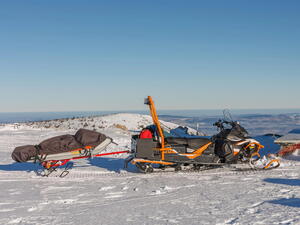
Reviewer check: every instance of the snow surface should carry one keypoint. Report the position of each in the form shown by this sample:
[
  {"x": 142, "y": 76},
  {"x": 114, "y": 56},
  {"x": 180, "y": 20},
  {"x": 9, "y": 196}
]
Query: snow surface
[
  {"x": 289, "y": 138},
  {"x": 100, "y": 191}
]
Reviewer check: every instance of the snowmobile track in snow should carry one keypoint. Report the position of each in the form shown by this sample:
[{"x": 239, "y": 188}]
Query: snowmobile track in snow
[
  {"x": 77, "y": 174},
  {"x": 211, "y": 172}
]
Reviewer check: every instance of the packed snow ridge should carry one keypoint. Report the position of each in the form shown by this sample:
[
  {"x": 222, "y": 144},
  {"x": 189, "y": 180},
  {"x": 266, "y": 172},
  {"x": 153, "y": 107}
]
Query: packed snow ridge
[{"x": 127, "y": 122}]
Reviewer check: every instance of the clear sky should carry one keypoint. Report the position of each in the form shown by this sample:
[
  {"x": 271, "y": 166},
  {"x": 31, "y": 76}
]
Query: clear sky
[{"x": 59, "y": 55}]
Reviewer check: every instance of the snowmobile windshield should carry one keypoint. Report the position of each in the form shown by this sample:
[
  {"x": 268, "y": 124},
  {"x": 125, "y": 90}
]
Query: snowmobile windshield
[
  {"x": 230, "y": 129},
  {"x": 237, "y": 132},
  {"x": 227, "y": 116}
]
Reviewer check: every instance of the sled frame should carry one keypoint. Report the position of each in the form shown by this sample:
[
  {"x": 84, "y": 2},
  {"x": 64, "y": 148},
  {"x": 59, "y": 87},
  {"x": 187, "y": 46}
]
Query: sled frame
[{"x": 50, "y": 166}]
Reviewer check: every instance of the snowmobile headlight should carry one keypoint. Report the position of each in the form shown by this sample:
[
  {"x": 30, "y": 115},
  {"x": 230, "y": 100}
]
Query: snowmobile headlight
[{"x": 252, "y": 146}]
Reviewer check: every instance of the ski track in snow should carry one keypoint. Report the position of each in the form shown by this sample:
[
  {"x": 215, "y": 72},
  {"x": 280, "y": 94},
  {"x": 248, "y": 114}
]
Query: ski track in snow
[{"x": 100, "y": 191}]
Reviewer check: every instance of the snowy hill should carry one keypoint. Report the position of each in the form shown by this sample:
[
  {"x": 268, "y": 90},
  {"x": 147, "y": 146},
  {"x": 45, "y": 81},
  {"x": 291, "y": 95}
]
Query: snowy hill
[
  {"x": 128, "y": 121},
  {"x": 124, "y": 121},
  {"x": 120, "y": 127},
  {"x": 100, "y": 191}
]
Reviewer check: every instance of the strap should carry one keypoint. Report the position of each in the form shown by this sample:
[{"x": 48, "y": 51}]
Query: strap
[
  {"x": 86, "y": 152},
  {"x": 38, "y": 156}
]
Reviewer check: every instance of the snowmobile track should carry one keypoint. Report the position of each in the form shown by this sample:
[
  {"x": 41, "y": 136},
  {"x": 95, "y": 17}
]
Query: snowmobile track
[
  {"x": 210, "y": 172},
  {"x": 90, "y": 174}
]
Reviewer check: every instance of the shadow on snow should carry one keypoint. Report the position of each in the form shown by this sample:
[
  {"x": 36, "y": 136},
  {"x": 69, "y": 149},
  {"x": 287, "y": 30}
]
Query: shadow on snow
[
  {"x": 292, "y": 202},
  {"x": 111, "y": 164},
  {"x": 28, "y": 167},
  {"x": 291, "y": 182}
]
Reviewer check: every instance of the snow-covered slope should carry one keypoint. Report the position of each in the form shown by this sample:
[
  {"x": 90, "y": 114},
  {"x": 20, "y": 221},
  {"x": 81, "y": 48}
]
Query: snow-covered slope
[
  {"x": 125, "y": 121},
  {"x": 100, "y": 191},
  {"x": 120, "y": 127}
]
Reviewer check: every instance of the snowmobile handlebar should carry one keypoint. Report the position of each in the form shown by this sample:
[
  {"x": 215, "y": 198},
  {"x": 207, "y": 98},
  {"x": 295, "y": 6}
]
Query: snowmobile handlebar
[{"x": 220, "y": 123}]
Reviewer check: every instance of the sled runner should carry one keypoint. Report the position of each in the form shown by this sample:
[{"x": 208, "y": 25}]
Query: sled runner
[
  {"x": 60, "y": 150},
  {"x": 230, "y": 146}
]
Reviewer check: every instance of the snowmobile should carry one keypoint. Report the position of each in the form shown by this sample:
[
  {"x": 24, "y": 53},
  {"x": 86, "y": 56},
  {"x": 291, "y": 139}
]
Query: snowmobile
[{"x": 231, "y": 145}]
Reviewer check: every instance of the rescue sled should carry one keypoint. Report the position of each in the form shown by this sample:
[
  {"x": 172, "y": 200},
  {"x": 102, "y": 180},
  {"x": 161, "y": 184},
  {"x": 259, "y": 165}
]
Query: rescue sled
[
  {"x": 230, "y": 146},
  {"x": 60, "y": 150}
]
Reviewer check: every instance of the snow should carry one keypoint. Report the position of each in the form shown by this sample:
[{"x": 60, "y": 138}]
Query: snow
[
  {"x": 100, "y": 191},
  {"x": 289, "y": 138},
  {"x": 126, "y": 121}
]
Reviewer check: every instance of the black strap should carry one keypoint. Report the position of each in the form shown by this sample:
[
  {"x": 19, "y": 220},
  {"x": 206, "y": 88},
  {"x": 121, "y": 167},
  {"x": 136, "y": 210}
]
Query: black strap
[
  {"x": 38, "y": 156},
  {"x": 86, "y": 152}
]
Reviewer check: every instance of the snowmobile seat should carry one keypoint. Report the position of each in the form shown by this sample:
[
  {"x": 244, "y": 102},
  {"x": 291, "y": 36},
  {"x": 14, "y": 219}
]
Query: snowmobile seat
[
  {"x": 192, "y": 143},
  {"x": 147, "y": 148},
  {"x": 180, "y": 148}
]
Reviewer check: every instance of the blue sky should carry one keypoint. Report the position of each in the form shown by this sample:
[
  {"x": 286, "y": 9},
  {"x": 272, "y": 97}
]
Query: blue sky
[{"x": 109, "y": 55}]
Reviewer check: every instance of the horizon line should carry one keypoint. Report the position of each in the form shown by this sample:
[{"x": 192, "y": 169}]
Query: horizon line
[{"x": 139, "y": 110}]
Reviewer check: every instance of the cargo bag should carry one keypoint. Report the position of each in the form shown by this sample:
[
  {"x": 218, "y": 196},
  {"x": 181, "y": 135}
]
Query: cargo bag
[{"x": 62, "y": 147}]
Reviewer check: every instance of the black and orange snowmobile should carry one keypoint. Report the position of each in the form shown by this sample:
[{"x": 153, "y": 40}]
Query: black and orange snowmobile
[{"x": 230, "y": 146}]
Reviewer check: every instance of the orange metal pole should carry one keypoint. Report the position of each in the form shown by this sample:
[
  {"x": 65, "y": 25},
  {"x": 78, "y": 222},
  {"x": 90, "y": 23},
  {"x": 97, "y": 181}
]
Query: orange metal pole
[{"x": 156, "y": 121}]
